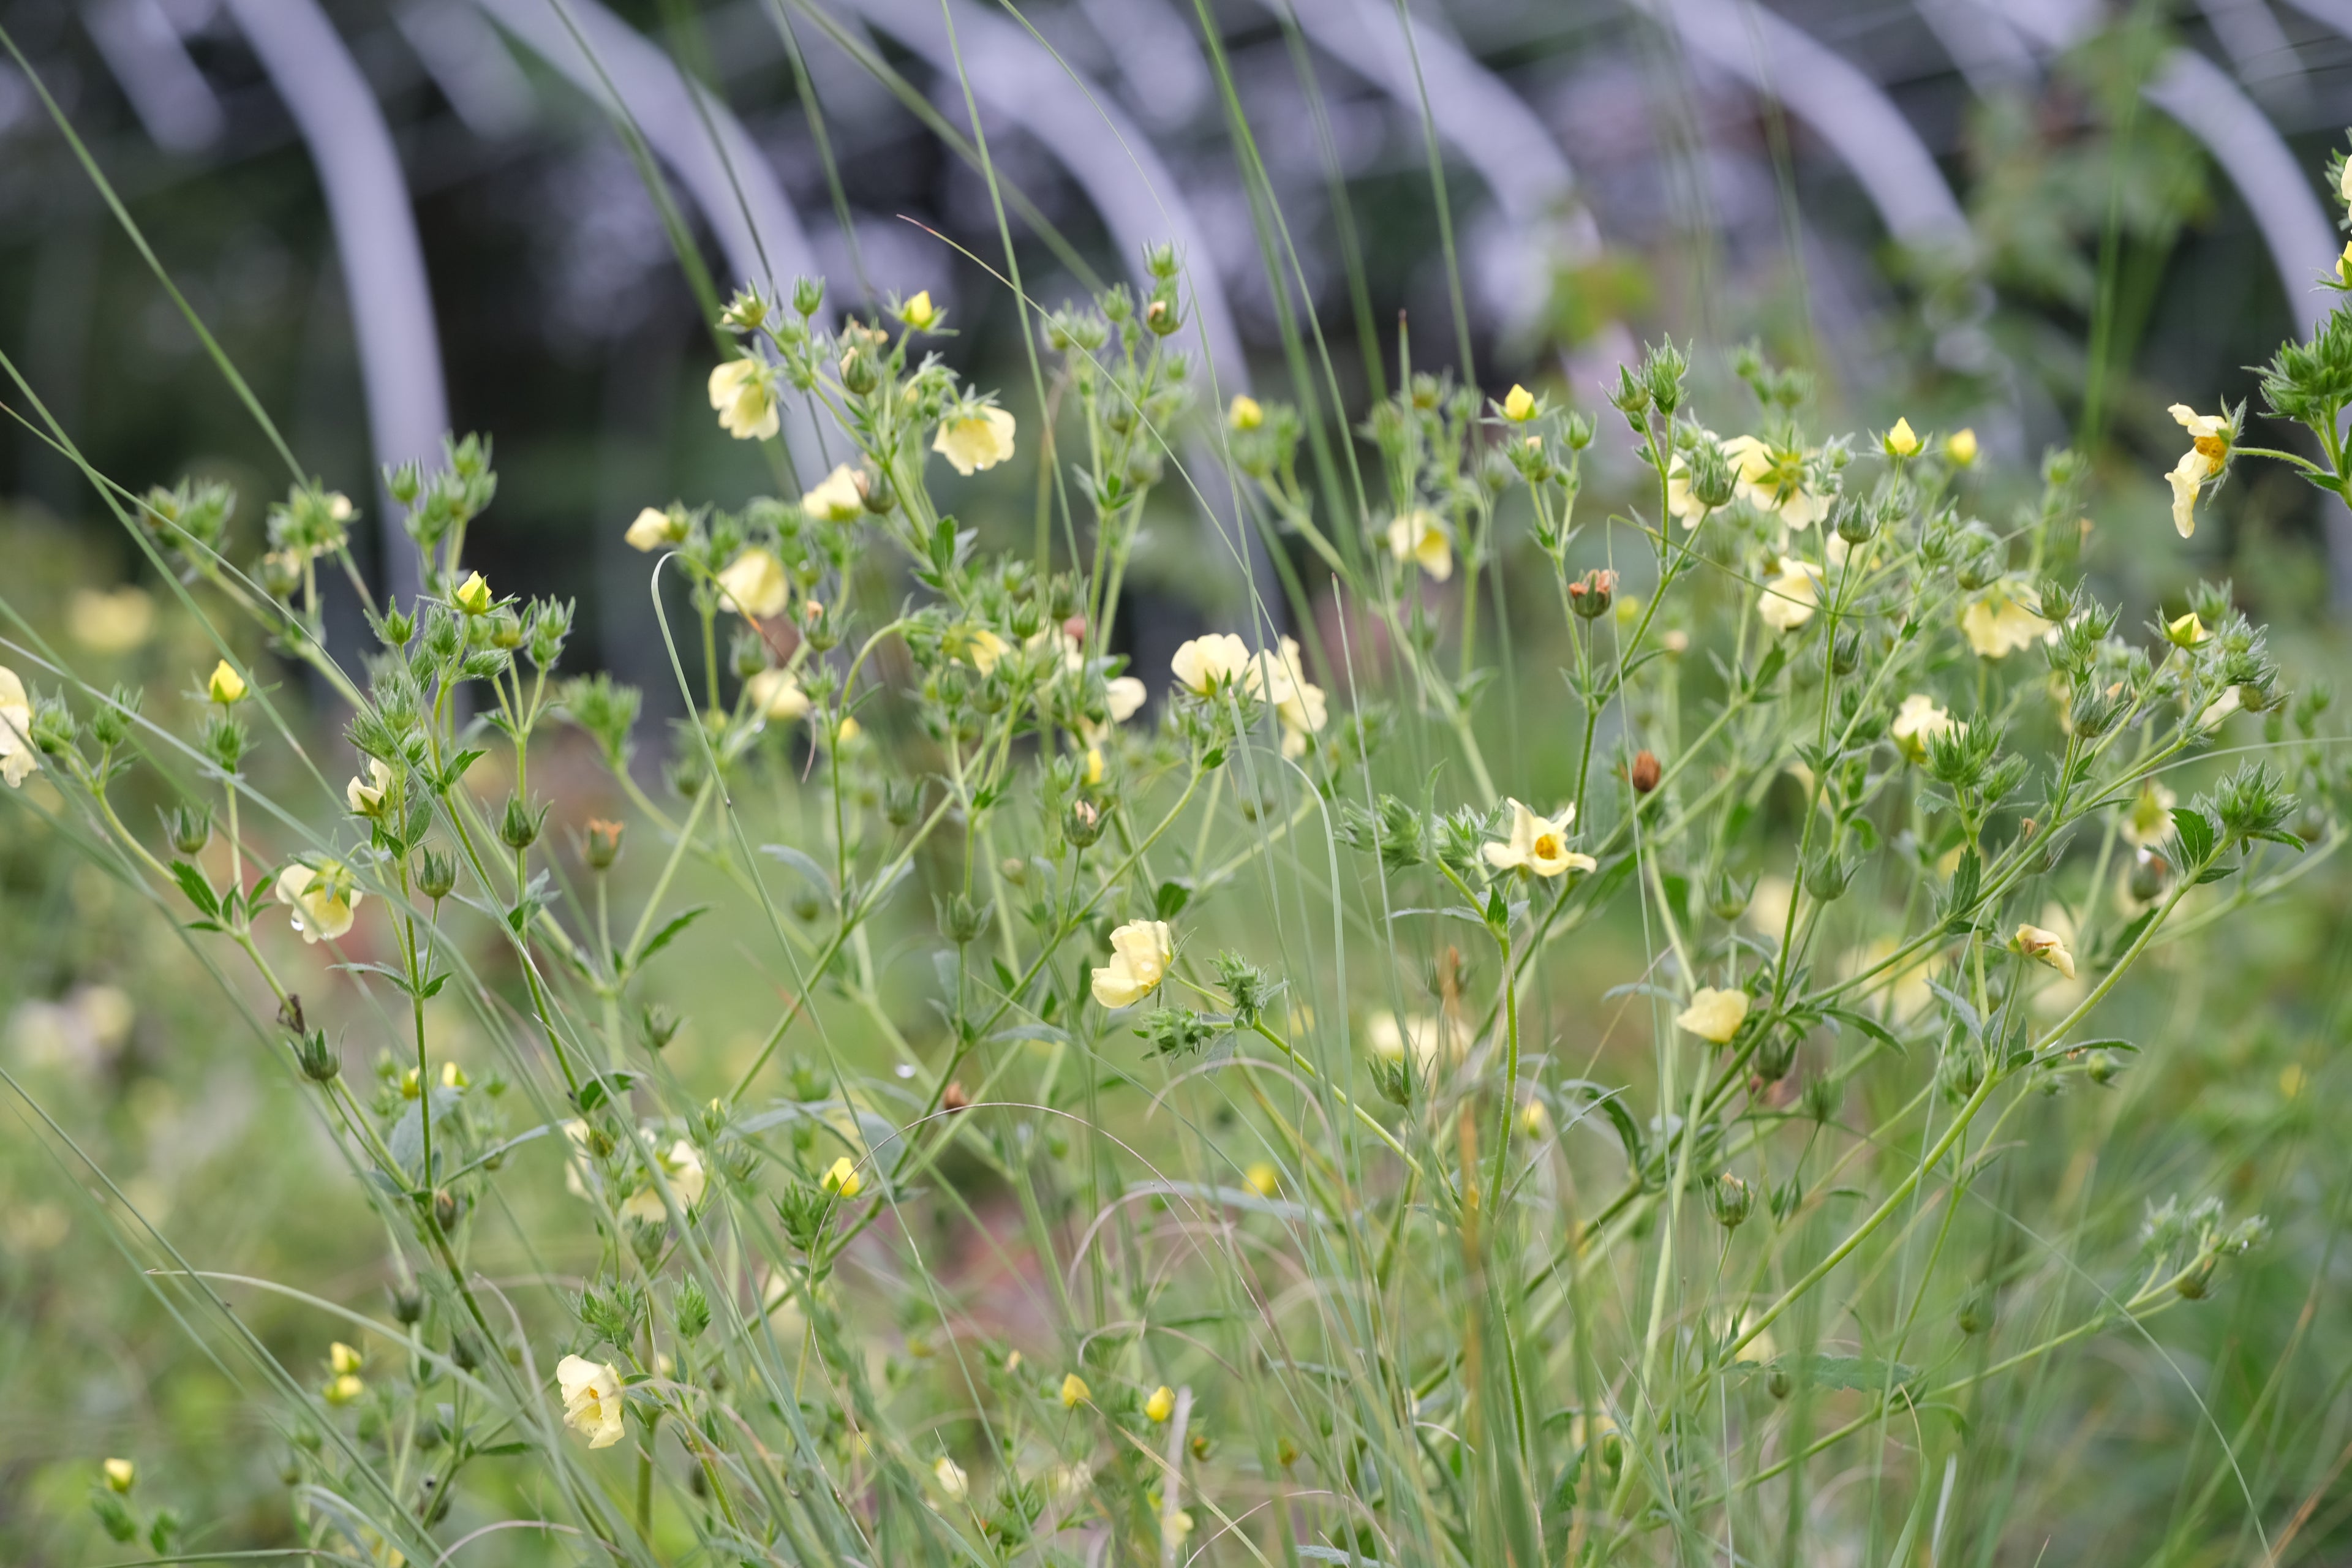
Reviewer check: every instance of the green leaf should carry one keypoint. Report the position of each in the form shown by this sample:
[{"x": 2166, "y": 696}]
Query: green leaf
[
  {"x": 594, "y": 1092},
  {"x": 669, "y": 934},
  {"x": 1868, "y": 1025},
  {"x": 2196, "y": 835},
  {"x": 1171, "y": 899},
  {"x": 193, "y": 883}
]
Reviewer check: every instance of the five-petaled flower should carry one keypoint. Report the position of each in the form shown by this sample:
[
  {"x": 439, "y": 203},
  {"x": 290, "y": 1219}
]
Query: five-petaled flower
[
  {"x": 2210, "y": 436},
  {"x": 743, "y": 392},
  {"x": 754, "y": 584},
  {"x": 1207, "y": 663},
  {"x": 321, "y": 898},
  {"x": 976, "y": 439},
  {"x": 1996, "y": 621},
  {"x": 2045, "y": 946},
  {"x": 1419, "y": 537},
  {"x": 776, "y": 697},
  {"x": 1776, "y": 479},
  {"x": 682, "y": 1169},
  {"x": 1714, "y": 1015},
  {"x": 654, "y": 528},
  {"x": 1537, "y": 843},
  {"x": 592, "y": 1399},
  {"x": 836, "y": 497},
  {"x": 1298, "y": 703},
  {"x": 1789, "y": 595},
  {"x": 1918, "y": 723},
  {"x": 1140, "y": 953}
]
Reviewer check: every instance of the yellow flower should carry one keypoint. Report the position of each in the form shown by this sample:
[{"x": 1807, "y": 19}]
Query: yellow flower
[
  {"x": 2210, "y": 436},
  {"x": 836, "y": 497},
  {"x": 1390, "y": 1037},
  {"x": 754, "y": 584},
  {"x": 226, "y": 686},
  {"x": 2149, "y": 820},
  {"x": 952, "y": 1478},
  {"x": 1140, "y": 953},
  {"x": 1176, "y": 1527},
  {"x": 743, "y": 392},
  {"x": 842, "y": 1180},
  {"x": 1520, "y": 407},
  {"x": 1773, "y": 479},
  {"x": 653, "y": 529},
  {"x": 920, "y": 314},
  {"x": 1206, "y": 663},
  {"x": 1161, "y": 1405},
  {"x": 1534, "y": 1119},
  {"x": 1789, "y": 597},
  {"x": 2344, "y": 183},
  {"x": 18, "y": 758},
  {"x": 682, "y": 1167},
  {"x": 1419, "y": 537},
  {"x": 1262, "y": 1179},
  {"x": 342, "y": 1358},
  {"x": 110, "y": 622},
  {"x": 979, "y": 439},
  {"x": 121, "y": 1475},
  {"x": 321, "y": 899},
  {"x": 1537, "y": 843},
  {"x": 1997, "y": 622},
  {"x": 1245, "y": 413},
  {"x": 1714, "y": 1015},
  {"x": 2187, "y": 478},
  {"x": 1074, "y": 1392},
  {"x": 1960, "y": 447},
  {"x": 983, "y": 649},
  {"x": 454, "y": 1077},
  {"x": 345, "y": 1389},
  {"x": 2047, "y": 946},
  {"x": 365, "y": 795},
  {"x": 1918, "y": 723},
  {"x": 1124, "y": 695},
  {"x": 592, "y": 1399},
  {"x": 472, "y": 595},
  {"x": 1901, "y": 441},
  {"x": 1298, "y": 703},
  {"x": 1094, "y": 764},
  {"x": 2185, "y": 630},
  {"x": 776, "y": 697},
  {"x": 1680, "y": 500},
  {"x": 2344, "y": 265}
]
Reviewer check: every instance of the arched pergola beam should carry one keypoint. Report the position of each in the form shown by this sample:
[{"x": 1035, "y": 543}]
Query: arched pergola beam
[
  {"x": 375, "y": 240},
  {"x": 696, "y": 137}
]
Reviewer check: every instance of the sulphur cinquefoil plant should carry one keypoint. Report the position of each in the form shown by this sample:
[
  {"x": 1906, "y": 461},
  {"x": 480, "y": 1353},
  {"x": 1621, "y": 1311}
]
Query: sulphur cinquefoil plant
[{"x": 1523, "y": 1056}]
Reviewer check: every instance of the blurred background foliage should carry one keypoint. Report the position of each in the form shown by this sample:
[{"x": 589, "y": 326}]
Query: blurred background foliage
[{"x": 2041, "y": 219}]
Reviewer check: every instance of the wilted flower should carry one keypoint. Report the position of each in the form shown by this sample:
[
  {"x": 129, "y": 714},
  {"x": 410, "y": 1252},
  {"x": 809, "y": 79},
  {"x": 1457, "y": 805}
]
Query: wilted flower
[
  {"x": 1419, "y": 537},
  {"x": 743, "y": 392},
  {"x": 2045, "y": 946},
  {"x": 653, "y": 529},
  {"x": 1140, "y": 953},
  {"x": 18, "y": 758},
  {"x": 1206, "y": 663},
  {"x": 1791, "y": 595},
  {"x": 321, "y": 899},
  {"x": 1714, "y": 1015},
  {"x": 1537, "y": 843},
  {"x": 592, "y": 1399},
  {"x": 754, "y": 584},
  {"x": 978, "y": 439}
]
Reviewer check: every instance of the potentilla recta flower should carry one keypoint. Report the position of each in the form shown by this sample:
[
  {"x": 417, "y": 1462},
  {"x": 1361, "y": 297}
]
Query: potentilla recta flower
[
  {"x": 1960, "y": 447},
  {"x": 776, "y": 697},
  {"x": 1125, "y": 696},
  {"x": 1140, "y": 953},
  {"x": 472, "y": 595},
  {"x": 836, "y": 497},
  {"x": 1161, "y": 1405},
  {"x": 1789, "y": 595},
  {"x": 18, "y": 757},
  {"x": 1537, "y": 843},
  {"x": 653, "y": 529},
  {"x": 1996, "y": 621},
  {"x": 2044, "y": 947},
  {"x": 322, "y": 898},
  {"x": 1775, "y": 480},
  {"x": 743, "y": 392},
  {"x": 225, "y": 685},
  {"x": 1901, "y": 441},
  {"x": 1916, "y": 724},
  {"x": 682, "y": 1168},
  {"x": 592, "y": 1399},
  {"x": 983, "y": 649},
  {"x": 842, "y": 1180},
  {"x": 979, "y": 438},
  {"x": 1074, "y": 1392},
  {"x": 953, "y": 1483},
  {"x": 1519, "y": 406},
  {"x": 1298, "y": 703},
  {"x": 2149, "y": 820},
  {"x": 1714, "y": 1015},
  {"x": 1419, "y": 536},
  {"x": 2210, "y": 436},
  {"x": 754, "y": 582},
  {"x": 365, "y": 795},
  {"x": 920, "y": 314},
  {"x": 1245, "y": 413},
  {"x": 1207, "y": 663}
]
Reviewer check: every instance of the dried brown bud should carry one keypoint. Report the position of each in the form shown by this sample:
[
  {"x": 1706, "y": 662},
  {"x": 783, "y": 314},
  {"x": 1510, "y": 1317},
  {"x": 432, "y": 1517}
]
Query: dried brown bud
[
  {"x": 953, "y": 1098},
  {"x": 1645, "y": 770}
]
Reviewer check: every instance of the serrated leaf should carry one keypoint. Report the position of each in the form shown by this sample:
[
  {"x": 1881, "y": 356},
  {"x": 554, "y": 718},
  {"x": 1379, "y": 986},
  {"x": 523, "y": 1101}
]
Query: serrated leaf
[
  {"x": 2196, "y": 834},
  {"x": 669, "y": 932},
  {"x": 199, "y": 890},
  {"x": 1868, "y": 1025}
]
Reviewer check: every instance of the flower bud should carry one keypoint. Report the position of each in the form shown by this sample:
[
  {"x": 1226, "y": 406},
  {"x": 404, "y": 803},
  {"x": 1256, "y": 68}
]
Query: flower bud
[
  {"x": 1975, "y": 1313},
  {"x": 808, "y": 295},
  {"x": 316, "y": 1058},
  {"x": 225, "y": 687},
  {"x": 473, "y": 596},
  {"x": 520, "y": 825},
  {"x": 1082, "y": 823},
  {"x": 436, "y": 874},
  {"x": 445, "y": 1210},
  {"x": 954, "y": 1097},
  {"x": 407, "y": 1304},
  {"x": 189, "y": 827},
  {"x": 1590, "y": 595},
  {"x": 601, "y": 843},
  {"x": 857, "y": 373},
  {"x": 1732, "y": 1199},
  {"x": 874, "y": 490}
]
